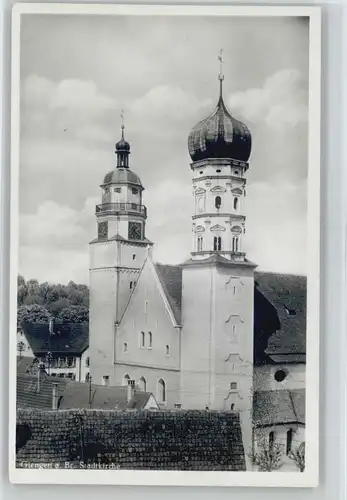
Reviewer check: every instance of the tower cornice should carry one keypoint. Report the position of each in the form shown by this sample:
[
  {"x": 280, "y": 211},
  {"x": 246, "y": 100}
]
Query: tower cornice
[{"x": 219, "y": 161}]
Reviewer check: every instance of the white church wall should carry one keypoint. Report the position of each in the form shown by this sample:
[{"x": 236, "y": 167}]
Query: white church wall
[
  {"x": 261, "y": 439},
  {"x": 264, "y": 377},
  {"x": 152, "y": 376},
  {"x": 102, "y": 316},
  {"x": 84, "y": 365},
  {"x": 146, "y": 336}
]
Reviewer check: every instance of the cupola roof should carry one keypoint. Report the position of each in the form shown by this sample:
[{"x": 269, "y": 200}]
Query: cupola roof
[{"x": 122, "y": 175}]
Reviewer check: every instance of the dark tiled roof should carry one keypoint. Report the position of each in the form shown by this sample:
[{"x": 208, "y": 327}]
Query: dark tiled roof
[
  {"x": 279, "y": 407},
  {"x": 67, "y": 339},
  {"x": 287, "y": 293},
  {"x": 30, "y": 394},
  {"x": 24, "y": 364},
  {"x": 279, "y": 311},
  {"x": 163, "y": 440},
  {"x": 171, "y": 280},
  {"x": 76, "y": 396}
]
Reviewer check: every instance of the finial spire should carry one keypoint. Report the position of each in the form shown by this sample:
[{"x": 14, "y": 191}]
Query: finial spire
[
  {"x": 221, "y": 74},
  {"x": 122, "y": 118}
]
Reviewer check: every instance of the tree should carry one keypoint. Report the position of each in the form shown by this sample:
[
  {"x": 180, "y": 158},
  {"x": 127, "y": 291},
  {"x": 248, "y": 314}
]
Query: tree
[
  {"x": 298, "y": 456},
  {"x": 267, "y": 458},
  {"x": 74, "y": 314},
  {"x": 54, "y": 297},
  {"x": 32, "y": 314}
]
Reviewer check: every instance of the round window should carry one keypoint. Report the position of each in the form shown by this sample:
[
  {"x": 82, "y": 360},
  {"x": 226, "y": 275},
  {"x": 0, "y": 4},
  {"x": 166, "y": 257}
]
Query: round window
[{"x": 280, "y": 375}]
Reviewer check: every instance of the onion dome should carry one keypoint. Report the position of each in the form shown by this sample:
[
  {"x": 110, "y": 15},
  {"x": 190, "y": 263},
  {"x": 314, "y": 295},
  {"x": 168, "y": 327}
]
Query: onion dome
[
  {"x": 123, "y": 176},
  {"x": 122, "y": 145},
  {"x": 220, "y": 135},
  {"x": 122, "y": 150}
]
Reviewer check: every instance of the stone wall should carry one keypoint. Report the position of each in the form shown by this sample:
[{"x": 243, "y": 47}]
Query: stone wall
[{"x": 170, "y": 440}]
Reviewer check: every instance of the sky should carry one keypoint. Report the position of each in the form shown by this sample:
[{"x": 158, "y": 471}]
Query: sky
[{"x": 79, "y": 72}]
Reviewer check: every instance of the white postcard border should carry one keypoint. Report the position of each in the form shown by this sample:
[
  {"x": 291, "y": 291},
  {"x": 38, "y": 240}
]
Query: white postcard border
[{"x": 309, "y": 478}]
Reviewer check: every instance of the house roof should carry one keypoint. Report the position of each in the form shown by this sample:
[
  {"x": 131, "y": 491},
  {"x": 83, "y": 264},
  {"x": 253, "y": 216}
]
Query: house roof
[
  {"x": 31, "y": 394},
  {"x": 24, "y": 364},
  {"x": 287, "y": 293},
  {"x": 279, "y": 312},
  {"x": 171, "y": 281},
  {"x": 77, "y": 395},
  {"x": 279, "y": 407},
  {"x": 70, "y": 339},
  {"x": 162, "y": 440}
]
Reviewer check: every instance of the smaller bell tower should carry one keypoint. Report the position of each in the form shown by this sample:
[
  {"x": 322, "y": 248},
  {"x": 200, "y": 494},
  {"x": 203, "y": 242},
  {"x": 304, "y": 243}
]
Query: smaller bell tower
[{"x": 117, "y": 255}]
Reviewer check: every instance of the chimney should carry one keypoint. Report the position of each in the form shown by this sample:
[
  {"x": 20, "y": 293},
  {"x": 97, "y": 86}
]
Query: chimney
[
  {"x": 55, "y": 396},
  {"x": 50, "y": 325},
  {"x": 130, "y": 390},
  {"x": 40, "y": 372},
  {"x": 178, "y": 406}
]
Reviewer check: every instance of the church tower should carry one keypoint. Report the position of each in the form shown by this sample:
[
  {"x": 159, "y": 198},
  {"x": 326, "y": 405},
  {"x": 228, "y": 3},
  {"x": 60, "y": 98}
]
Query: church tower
[
  {"x": 117, "y": 255},
  {"x": 218, "y": 280}
]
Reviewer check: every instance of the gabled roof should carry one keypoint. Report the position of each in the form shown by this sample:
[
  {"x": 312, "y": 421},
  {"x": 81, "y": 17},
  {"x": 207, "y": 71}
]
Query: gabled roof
[
  {"x": 279, "y": 311},
  {"x": 287, "y": 293},
  {"x": 77, "y": 396},
  {"x": 67, "y": 339},
  {"x": 279, "y": 407},
  {"x": 171, "y": 280},
  {"x": 24, "y": 364},
  {"x": 34, "y": 394}
]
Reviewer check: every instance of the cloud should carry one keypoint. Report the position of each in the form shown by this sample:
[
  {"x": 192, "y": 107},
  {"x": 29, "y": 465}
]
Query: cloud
[
  {"x": 167, "y": 101},
  {"x": 57, "y": 225},
  {"x": 276, "y": 226},
  {"x": 72, "y": 108},
  {"x": 282, "y": 101}
]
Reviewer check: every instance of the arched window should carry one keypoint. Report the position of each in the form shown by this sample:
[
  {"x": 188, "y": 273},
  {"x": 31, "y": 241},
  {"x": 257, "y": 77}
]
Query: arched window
[
  {"x": 143, "y": 384},
  {"x": 217, "y": 243},
  {"x": 167, "y": 350},
  {"x": 235, "y": 244},
  {"x": 149, "y": 340},
  {"x": 218, "y": 202},
  {"x": 142, "y": 340},
  {"x": 130, "y": 285},
  {"x": 161, "y": 391},
  {"x": 236, "y": 203},
  {"x": 289, "y": 441},
  {"x": 199, "y": 243},
  {"x": 271, "y": 440},
  {"x": 126, "y": 379},
  {"x": 125, "y": 347}
]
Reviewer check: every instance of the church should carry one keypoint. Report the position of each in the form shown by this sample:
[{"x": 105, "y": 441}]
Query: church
[{"x": 212, "y": 333}]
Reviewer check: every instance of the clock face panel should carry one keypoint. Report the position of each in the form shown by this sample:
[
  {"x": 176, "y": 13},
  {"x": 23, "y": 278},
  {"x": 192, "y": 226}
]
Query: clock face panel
[
  {"x": 103, "y": 230},
  {"x": 135, "y": 231}
]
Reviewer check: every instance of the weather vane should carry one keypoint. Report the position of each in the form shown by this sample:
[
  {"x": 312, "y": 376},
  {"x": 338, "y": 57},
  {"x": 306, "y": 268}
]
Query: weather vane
[{"x": 221, "y": 60}]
